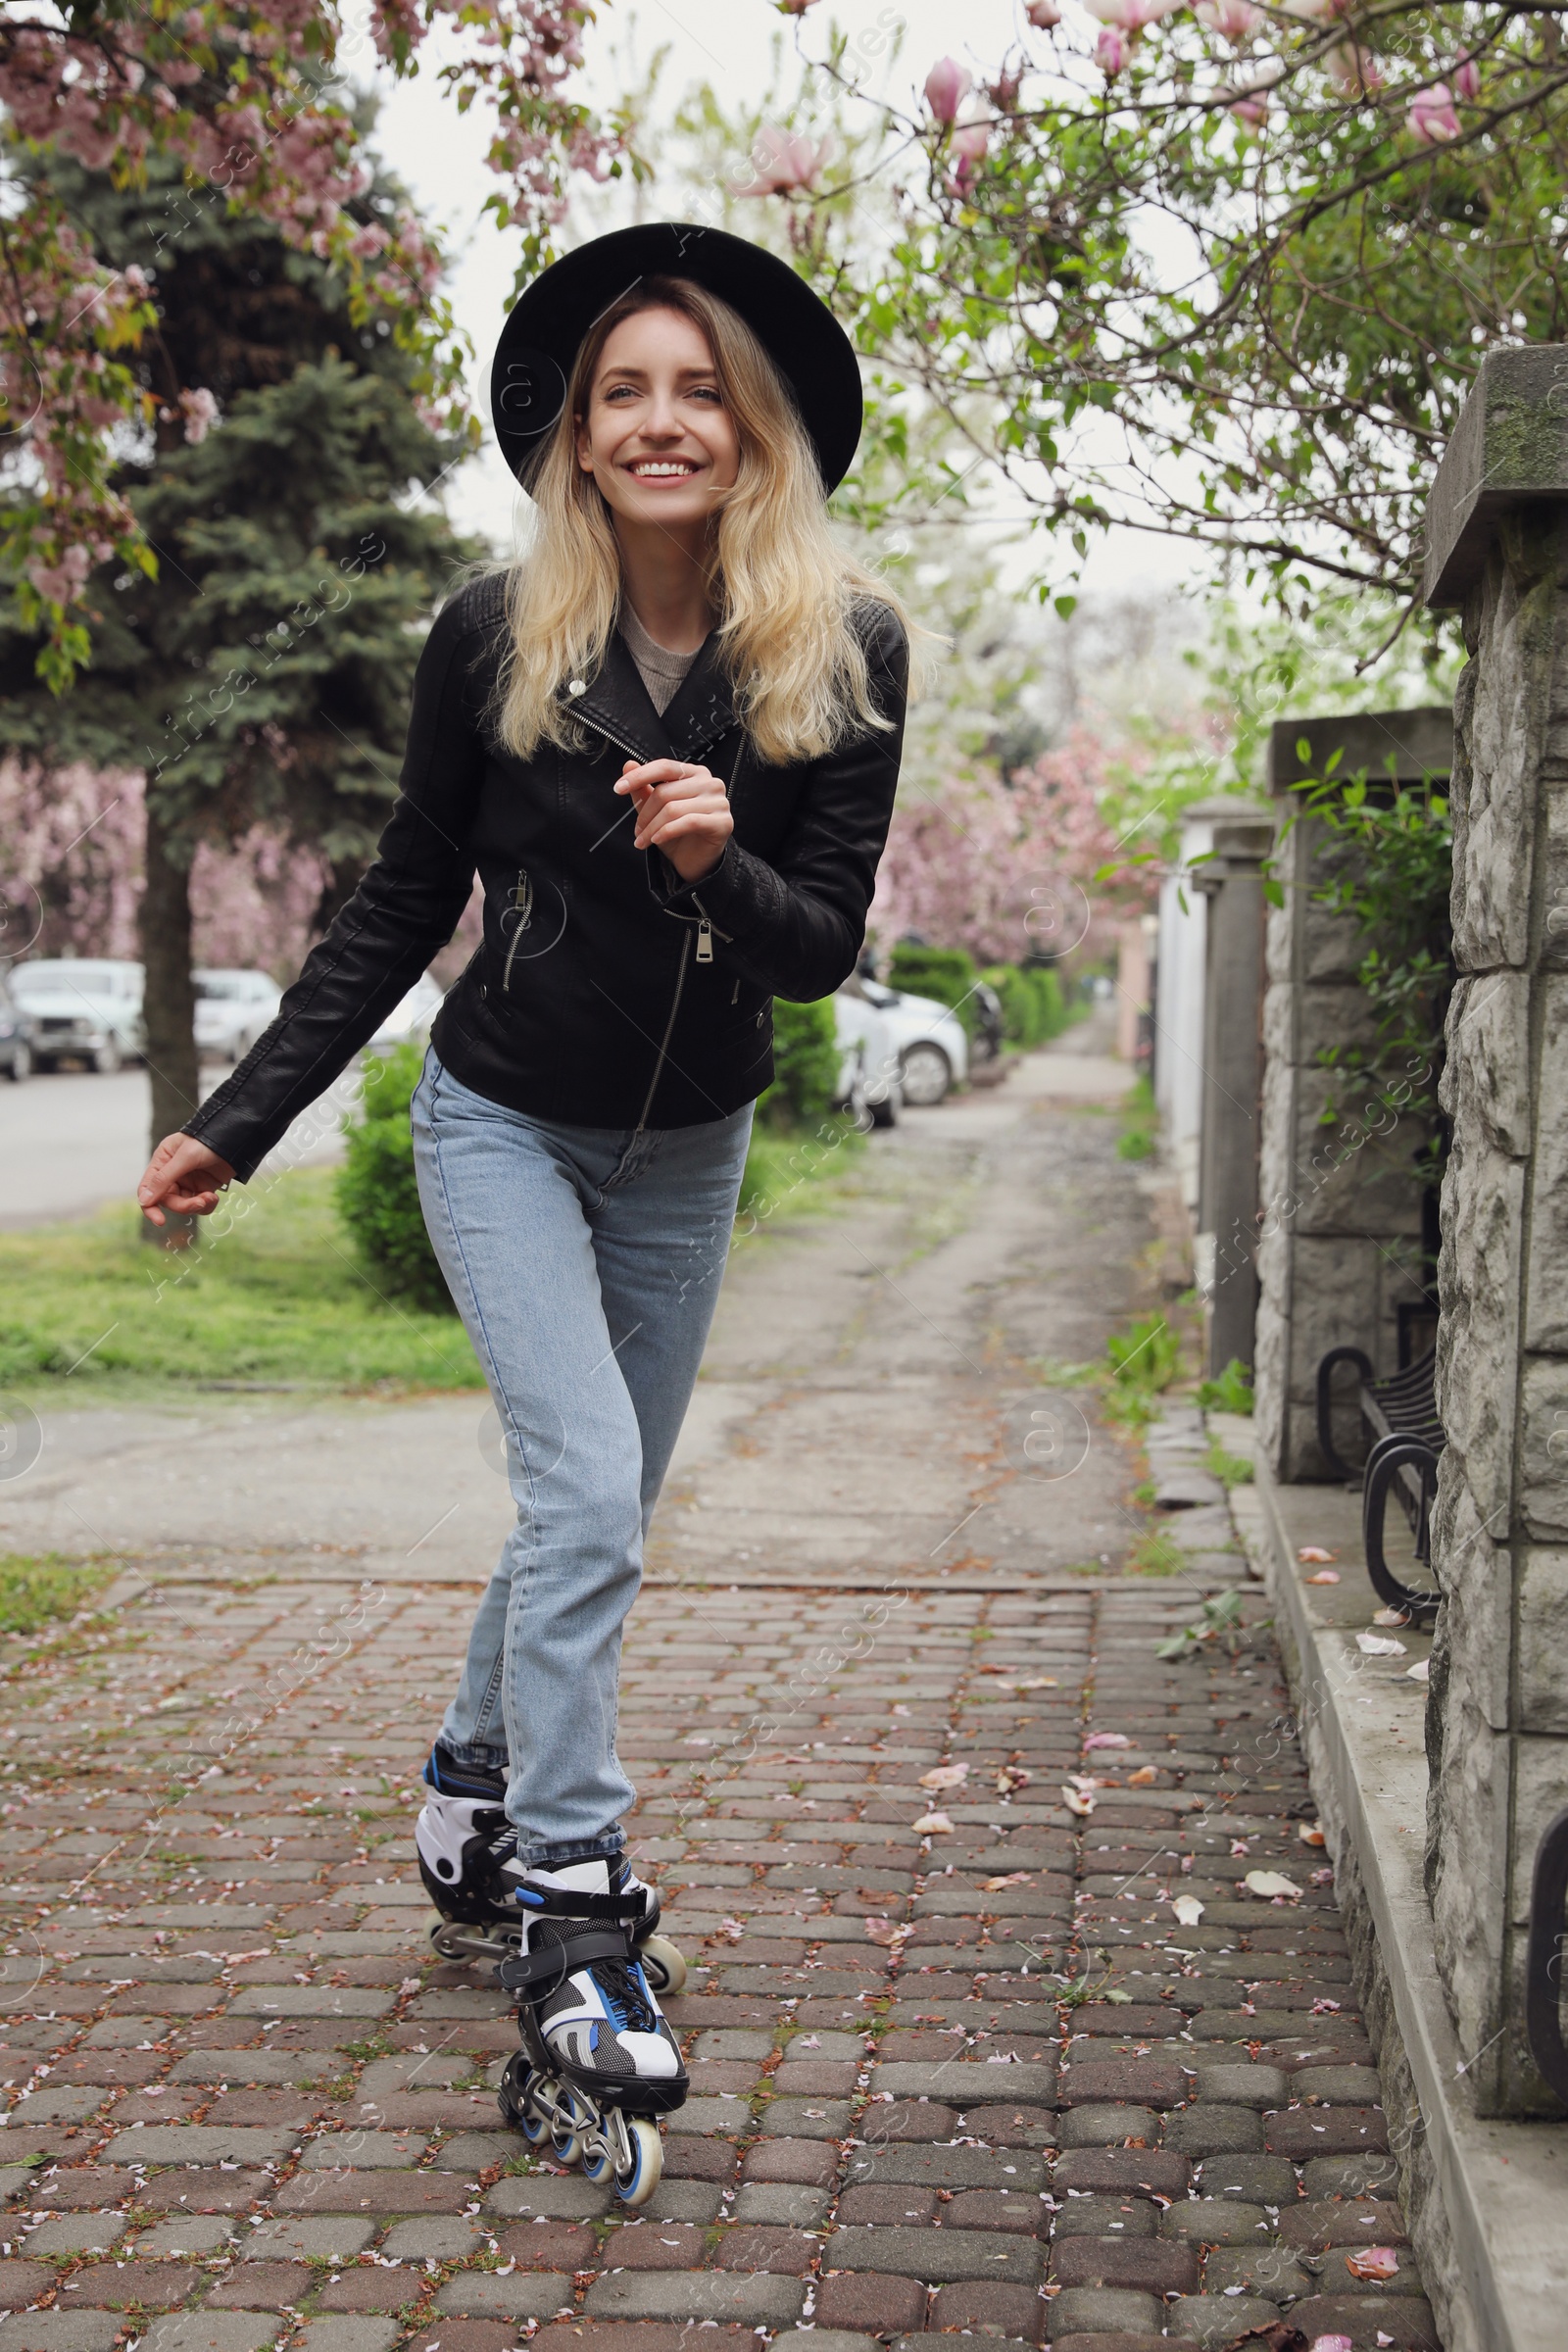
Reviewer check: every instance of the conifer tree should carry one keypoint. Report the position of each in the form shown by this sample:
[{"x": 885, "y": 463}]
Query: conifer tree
[{"x": 264, "y": 675}]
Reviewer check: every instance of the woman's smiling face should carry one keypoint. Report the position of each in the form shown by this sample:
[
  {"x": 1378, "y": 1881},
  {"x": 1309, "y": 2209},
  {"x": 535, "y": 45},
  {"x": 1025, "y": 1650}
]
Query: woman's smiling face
[{"x": 657, "y": 438}]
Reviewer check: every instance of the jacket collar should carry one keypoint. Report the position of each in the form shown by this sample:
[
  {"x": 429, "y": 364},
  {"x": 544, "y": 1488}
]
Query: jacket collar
[{"x": 617, "y": 703}]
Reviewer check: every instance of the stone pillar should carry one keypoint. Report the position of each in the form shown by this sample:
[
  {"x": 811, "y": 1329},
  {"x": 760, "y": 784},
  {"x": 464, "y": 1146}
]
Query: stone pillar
[
  {"x": 1179, "y": 989},
  {"x": 1497, "y": 1715},
  {"x": 1231, "y": 880},
  {"x": 1344, "y": 1237}
]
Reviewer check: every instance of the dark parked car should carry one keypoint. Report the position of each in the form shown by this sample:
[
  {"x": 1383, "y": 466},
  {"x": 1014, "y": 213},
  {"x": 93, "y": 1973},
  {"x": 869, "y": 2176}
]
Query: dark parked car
[{"x": 16, "y": 1035}]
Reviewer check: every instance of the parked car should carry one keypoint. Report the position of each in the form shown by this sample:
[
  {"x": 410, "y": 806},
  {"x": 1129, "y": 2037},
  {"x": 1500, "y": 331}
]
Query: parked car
[
  {"x": 81, "y": 1011},
  {"x": 232, "y": 1008},
  {"x": 16, "y": 1035},
  {"x": 925, "y": 1042},
  {"x": 871, "y": 1081},
  {"x": 411, "y": 1017}
]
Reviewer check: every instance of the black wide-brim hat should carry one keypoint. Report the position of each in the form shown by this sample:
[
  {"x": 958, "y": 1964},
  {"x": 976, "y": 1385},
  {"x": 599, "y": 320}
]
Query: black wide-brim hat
[{"x": 545, "y": 330}]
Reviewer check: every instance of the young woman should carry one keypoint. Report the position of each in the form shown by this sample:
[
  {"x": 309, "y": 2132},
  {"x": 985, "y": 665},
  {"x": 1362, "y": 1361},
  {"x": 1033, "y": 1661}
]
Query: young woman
[{"x": 667, "y": 741}]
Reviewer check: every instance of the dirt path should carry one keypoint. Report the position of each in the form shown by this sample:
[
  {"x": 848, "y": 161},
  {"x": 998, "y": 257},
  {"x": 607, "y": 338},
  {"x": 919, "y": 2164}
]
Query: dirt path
[{"x": 245, "y": 2103}]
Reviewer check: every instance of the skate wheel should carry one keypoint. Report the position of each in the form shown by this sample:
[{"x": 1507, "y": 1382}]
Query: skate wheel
[
  {"x": 663, "y": 1964},
  {"x": 515, "y": 2098},
  {"x": 446, "y": 1940},
  {"x": 636, "y": 2187},
  {"x": 567, "y": 2124}
]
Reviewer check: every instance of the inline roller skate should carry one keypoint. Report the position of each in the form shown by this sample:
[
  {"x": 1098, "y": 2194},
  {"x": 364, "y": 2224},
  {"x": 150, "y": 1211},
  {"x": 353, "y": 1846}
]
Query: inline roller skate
[
  {"x": 598, "y": 2061},
  {"x": 468, "y": 1855}
]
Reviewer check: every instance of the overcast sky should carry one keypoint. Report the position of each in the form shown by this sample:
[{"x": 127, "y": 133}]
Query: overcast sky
[{"x": 729, "y": 43}]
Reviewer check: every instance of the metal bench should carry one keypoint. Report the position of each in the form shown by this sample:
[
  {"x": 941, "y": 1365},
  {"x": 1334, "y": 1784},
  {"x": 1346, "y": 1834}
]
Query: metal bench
[{"x": 1400, "y": 1415}]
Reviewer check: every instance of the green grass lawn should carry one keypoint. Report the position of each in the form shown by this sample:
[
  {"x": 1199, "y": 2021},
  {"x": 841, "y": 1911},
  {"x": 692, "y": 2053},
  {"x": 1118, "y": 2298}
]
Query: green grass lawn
[
  {"x": 35, "y": 1592},
  {"x": 277, "y": 1294}
]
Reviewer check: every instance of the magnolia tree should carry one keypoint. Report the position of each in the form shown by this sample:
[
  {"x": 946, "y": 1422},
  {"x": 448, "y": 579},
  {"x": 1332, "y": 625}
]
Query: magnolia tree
[
  {"x": 256, "y": 104},
  {"x": 1221, "y": 270},
  {"x": 1029, "y": 866}
]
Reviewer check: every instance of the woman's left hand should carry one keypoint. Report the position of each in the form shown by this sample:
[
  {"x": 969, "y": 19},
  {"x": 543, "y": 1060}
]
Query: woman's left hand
[{"x": 682, "y": 809}]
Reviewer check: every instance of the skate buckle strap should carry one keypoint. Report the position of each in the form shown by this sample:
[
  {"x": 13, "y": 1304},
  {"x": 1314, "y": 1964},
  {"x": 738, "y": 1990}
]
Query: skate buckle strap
[
  {"x": 565, "y": 1902},
  {"x": 535, "y": 1973}
]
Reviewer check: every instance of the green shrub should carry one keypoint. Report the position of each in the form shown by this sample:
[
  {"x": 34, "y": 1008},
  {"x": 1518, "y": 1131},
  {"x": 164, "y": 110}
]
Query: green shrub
[
  {"x": 1230, "y": 1392},
  {"x": 946, "y": 974},
  {"x": 1033, "y": 1006},
  {"x": 806, "y": 1065},
  {"x": 1140, "y": 1122},
  {"x": 377, "y": 1195}
]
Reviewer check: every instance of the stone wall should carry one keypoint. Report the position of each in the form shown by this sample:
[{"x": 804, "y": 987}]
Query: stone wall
[
  {"x": 1498, "y": 1717},
  {"x": 1340, "y": 1248}
]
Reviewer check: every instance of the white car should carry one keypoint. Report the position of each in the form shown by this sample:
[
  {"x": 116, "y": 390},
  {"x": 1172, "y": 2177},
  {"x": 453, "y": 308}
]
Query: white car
[
  {"x": 408, "y": 1021},
  {"x": 232, "y": 1008},
  {"x": 870, "y": 1083},
  {"x": 81, "y": 1011},
  {"x": 919, "y": 1044}
]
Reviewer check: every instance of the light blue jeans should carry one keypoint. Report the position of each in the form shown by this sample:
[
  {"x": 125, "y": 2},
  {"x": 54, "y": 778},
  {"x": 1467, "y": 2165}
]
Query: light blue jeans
[{"x": 585, "y": 1262}]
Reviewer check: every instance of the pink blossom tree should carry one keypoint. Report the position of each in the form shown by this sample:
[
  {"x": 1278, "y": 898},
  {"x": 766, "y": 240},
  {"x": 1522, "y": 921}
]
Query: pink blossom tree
[
  {"x": 256, "y": 106},
  {"x": 1013, "y": 868}
]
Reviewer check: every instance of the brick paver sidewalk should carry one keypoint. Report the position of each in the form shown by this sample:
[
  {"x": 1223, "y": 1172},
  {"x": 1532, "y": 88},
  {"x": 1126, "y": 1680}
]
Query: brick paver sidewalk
[{"x": 246, "y": 2102}]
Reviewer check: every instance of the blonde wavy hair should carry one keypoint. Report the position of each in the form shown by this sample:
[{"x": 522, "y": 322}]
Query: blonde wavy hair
[{"x": 784, "y": 592}]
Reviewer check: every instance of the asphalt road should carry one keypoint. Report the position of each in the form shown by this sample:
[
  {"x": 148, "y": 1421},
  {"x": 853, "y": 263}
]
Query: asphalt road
[{"x": 71, "y": 1141}]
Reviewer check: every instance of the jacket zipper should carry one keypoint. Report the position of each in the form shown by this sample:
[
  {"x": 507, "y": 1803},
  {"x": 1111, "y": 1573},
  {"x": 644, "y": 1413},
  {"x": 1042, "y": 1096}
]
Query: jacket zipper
[
  {"x": 669, "y": 1031},
  {"x": 523, "y": 906}
]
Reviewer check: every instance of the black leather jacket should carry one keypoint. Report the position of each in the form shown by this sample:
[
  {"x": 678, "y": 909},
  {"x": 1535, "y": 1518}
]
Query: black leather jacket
[{"x": 606, "y": 994}]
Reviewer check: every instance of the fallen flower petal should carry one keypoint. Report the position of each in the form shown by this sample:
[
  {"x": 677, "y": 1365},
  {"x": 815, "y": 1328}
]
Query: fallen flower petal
[
  {"x": 1269, "y": 1882},
  {"x": 1314, "y": 1554},
  {"x": 1421, "y": 1670},
  {"x": 944, "y": 1776},
  {"x": 1188, "y": 1909},
  {"x": 1144, "y": 1778},
  {"x": 1013, "y": 1877},
  {"x": 1310, "y": 1833},
  {"x": 1078, "y": 1803},
  {"x": 933, "y": 1824},
  {"x": 885, "y": 1931},
  {"x": 1010, "y": 1777},
  {"x": 1324, "y": 1576},
  {"x": 1107, "y": 1739},
  {"x": 1037, "y": 1682},
  {"x": 1392, "y": 1617},
  {"x": 1379, "y": 1646},
  {"x": 1372, "y": 2262}
]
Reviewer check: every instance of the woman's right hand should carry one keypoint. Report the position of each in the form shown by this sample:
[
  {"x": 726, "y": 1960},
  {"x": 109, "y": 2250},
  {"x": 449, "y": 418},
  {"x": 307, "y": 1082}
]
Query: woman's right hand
[{"x": 184, "y": 1178}]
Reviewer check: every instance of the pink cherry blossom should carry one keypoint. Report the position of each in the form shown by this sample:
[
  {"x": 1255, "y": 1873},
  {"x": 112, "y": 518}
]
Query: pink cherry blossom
[
  {"x": 1113, "y": 51},
  {"x": 1431, "y": 118},
  {"x": 946, "y": 86},
  {"x": 1043, "y": 15},
  {"x": 201, "y": 411},
  {"x": 1466, "y": 78},
  {"x": 785, "y": 160}
]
